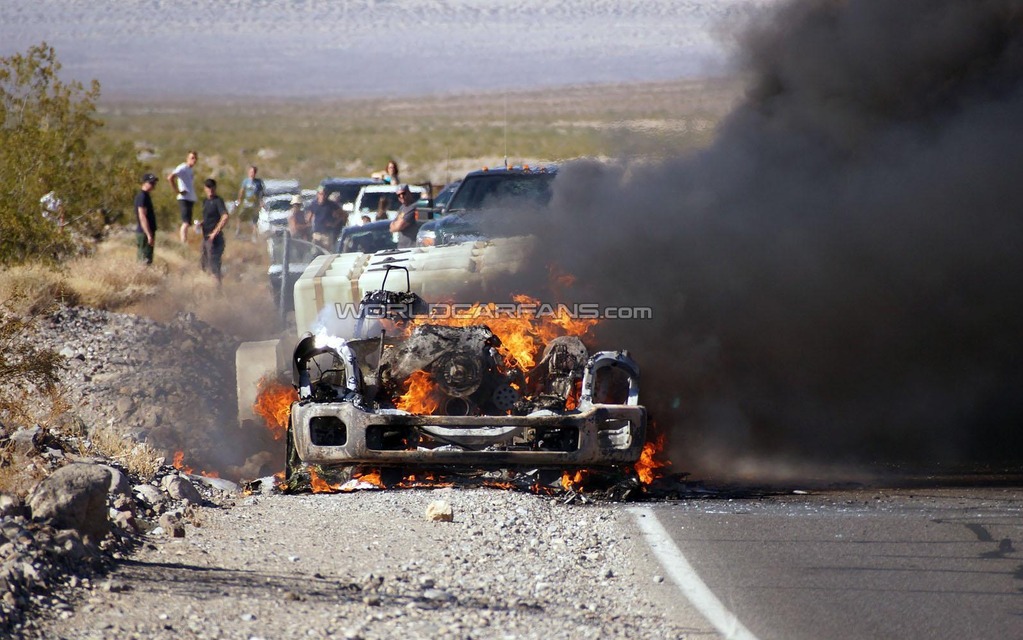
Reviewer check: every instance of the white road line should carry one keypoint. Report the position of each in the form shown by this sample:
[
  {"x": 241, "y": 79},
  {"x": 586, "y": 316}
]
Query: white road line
[{"x": 686, "y": 578}]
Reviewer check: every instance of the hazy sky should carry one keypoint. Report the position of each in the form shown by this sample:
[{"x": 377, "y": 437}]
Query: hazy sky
[{"x": 361, "y": 47}]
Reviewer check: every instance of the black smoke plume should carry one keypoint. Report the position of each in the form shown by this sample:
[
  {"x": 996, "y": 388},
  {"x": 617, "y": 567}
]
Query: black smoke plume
[{"x": 839, "y": 276}]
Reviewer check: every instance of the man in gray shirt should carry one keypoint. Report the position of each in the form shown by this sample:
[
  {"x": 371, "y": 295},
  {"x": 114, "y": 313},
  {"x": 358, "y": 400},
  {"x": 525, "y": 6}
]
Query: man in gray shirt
[{"x": 405, "y": 223}]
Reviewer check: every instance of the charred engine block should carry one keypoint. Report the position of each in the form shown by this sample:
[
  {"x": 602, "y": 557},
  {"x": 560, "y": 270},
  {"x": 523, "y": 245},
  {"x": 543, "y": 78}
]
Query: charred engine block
[{"x": 463, "y": 363}]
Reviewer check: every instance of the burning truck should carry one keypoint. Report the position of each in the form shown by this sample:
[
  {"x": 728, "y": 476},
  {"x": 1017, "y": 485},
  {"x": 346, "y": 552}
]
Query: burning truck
[{"x": 379, "y": 380}]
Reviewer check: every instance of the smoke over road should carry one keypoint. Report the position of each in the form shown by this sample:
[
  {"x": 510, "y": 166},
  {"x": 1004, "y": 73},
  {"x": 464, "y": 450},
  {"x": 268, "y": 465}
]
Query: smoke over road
[{"x": 839, "y": 276}]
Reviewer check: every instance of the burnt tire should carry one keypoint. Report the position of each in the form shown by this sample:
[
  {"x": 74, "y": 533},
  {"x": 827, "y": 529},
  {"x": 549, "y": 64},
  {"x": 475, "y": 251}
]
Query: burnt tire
[{"x": 292, "y": 463}]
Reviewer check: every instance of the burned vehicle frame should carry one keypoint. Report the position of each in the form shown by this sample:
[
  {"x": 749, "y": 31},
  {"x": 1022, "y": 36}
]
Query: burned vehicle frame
[{"x": 573, "y": 410}]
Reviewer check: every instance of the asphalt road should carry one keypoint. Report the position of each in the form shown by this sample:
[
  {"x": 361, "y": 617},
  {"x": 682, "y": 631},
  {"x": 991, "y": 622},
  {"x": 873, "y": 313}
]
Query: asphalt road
[{"x": 921, "y": 563}]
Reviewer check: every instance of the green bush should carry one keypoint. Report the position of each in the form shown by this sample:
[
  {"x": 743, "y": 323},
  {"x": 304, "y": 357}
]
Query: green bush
[{"x": 49, "y": 144}]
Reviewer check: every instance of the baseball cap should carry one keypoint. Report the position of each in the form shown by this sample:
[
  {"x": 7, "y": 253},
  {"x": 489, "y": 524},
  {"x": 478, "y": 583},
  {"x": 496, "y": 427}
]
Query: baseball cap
[
  {"x": 296, "y": 199},
  {"x": 150, "y": 178}
]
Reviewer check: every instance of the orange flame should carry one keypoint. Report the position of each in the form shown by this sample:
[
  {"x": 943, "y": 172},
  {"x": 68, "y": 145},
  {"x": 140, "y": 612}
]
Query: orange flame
[
  {"x": 421, "y": 395},
  {"x": 370, "y": 477},
  {"x": 574, "y": 481},
  {"x": 273, "y": 404},
  {"x": 319, "y": 485},
  {"x": 179, "y": 463},
  {"x": 648, "y": 467},
  {"x": 522, "y": 335}
]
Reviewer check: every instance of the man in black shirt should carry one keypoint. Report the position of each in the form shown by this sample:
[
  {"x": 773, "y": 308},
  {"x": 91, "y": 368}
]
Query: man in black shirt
[
  {"x": 214, "y": 218},
  {"x": 145, "y": 230}
]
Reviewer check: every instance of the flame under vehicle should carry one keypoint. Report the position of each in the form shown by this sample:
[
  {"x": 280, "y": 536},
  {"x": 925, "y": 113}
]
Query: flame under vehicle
[{"x": 390, "y": 385}]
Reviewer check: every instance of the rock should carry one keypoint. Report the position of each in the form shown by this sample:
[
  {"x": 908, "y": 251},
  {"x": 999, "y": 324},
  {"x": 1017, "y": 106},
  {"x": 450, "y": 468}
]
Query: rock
[
  {"x": 27, "y": 440},
  {"x": 440, "y": 511},
  {"x": 71, "y": 547},
  {"x": 10, "y": 506},
  {"x": 151, "y": 495},
  {"x": 119, "y": 485},
  {"x": 172, "y": 524},
  {"x": 180, "y": 488},
  {"x": 74, "y": 497},
  {"x": 124, "y": 405},
  {"x": 219, "y": 484},
  {"x": 125, "y": 520}
]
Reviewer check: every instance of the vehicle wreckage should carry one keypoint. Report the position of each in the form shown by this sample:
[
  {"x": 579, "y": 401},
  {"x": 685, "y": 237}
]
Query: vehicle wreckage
[{"x": 391, "y": 386}]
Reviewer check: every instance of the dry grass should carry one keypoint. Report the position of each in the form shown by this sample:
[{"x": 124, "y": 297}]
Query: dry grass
[
  {"x": 18, "y": 473},
  {"x": 241, "y": 306},
  {"x": 137, "y": 457},
  {"x": 32, "y": 289},
  {"x": 112, "y": 278}
]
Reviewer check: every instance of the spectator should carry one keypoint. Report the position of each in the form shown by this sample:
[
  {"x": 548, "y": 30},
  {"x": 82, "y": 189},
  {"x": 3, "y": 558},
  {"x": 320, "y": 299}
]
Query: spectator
[
  {"x": 391, "y": 174},
  {"x": 298, "y": 220},
  {"x": 214, "y": 219},
  {"x": 324, "y": 217},
  {"x": 145, "y": 230},
  {"x": 382, "y": 207},
  {"x": 365, "y": 220},
  {"x": 250, "y": 201},
  {"x": 405, "y": 223},
  {"x": 182, "y": 182}
]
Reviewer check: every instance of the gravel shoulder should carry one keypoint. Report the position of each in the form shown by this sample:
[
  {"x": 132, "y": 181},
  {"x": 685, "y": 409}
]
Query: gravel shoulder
[{"x": 369, "y": 565}]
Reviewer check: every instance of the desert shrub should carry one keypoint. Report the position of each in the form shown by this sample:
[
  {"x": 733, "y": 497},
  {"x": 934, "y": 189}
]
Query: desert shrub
[{"x": 49, "y": 148}]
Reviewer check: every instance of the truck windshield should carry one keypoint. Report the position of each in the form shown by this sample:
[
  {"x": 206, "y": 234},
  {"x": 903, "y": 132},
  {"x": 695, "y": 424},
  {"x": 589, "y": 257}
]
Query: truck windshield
[{"x": 501, "y": 189}]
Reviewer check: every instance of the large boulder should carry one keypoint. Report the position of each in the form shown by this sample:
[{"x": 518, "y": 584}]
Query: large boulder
[{"x": 74, "y": 497}]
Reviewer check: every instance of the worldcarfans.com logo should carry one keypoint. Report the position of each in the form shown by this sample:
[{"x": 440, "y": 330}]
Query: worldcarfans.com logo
[{"x": 492, "y": 311}]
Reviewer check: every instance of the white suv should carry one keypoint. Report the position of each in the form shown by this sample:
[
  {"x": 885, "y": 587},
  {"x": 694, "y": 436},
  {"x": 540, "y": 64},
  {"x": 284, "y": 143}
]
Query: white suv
[{"x": 367, "y": 203}]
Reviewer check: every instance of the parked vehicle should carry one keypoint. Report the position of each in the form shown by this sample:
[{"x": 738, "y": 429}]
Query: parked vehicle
[
  {"x": 366, "y": 238},
  {"x": 482, "y": 192},
  {"x": 348, "y": 188},
  {"x": 367, "y": 202},
  {"x": 437, "y": 208}
]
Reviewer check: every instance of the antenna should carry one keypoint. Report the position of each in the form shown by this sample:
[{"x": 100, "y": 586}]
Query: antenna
[{"x": 506, "y": 129}]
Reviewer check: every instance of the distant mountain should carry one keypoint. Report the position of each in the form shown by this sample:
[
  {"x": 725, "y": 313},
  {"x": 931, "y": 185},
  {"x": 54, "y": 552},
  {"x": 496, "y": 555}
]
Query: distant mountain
[{"x": 368, "y": 47}]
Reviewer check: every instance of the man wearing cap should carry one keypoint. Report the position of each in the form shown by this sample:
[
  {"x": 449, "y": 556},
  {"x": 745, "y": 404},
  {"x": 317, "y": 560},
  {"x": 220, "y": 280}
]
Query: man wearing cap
[
  {"x": 405, "y": 223},
  {"x": 324, "y": 214},
  {"x": 214, "y": 219},
  {"x": 145, "y": 230},
  {"x": 298, "y": 220}
]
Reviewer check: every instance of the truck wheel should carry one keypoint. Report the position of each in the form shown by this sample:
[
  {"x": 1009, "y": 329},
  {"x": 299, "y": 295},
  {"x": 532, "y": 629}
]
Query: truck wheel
[{"x": 292, "y": 463}]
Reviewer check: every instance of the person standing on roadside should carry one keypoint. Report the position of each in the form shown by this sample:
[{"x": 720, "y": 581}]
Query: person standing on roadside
[
  {"x": 298, "y": 220},
  {"x": 250, "y": 201},
  {"x": 182, "y": 181},
  {"x": 145, "y": 231},
  {"x": 391, "y": 173},
  {"x": 324, "y": 214},
  {"x": 405, "y": 223},
  {"x": 214, "y": 219}
]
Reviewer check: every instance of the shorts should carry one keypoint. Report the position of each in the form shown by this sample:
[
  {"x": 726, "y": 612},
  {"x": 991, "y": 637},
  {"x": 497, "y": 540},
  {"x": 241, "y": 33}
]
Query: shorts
[
  {"x": 323, "y": 240},
  {"x": 186, "y": 207}
]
